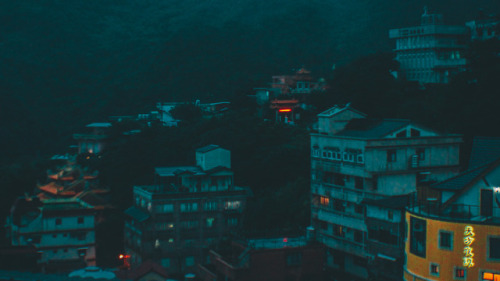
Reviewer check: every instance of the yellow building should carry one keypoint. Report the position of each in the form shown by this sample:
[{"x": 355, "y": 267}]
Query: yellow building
[{"x": 453, "y": 227}]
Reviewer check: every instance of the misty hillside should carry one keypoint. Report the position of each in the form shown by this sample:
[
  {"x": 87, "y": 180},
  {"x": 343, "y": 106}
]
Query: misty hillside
[{"x": 66, "y": 63}]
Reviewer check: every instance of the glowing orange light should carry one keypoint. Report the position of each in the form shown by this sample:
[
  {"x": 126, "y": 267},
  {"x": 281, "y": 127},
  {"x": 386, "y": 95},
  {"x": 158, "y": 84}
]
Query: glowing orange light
[
  {"x": 285, "y": 110},
  {"x": 487, "y": 276},
  {"x": 120, "y": 256},
  {"x": 285, "y": 239}
]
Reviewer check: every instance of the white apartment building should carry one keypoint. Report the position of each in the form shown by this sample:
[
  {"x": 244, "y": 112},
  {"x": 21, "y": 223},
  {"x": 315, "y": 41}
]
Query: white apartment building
[
  {"x": 355, "y": 158},
  {"x": 62, "y": 231},
  {"x": 431, "y": 52}
]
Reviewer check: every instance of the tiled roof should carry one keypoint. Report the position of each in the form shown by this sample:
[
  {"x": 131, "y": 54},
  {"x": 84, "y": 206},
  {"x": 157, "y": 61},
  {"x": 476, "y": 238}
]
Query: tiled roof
[
  {"x": 137, "y": 214},
  {"x": 372, "y": 128},
  {"x": 484, "y": 150},
  {"x": 460, "y": 181},
  {"x": 393, "y": 202},
  {"x": 207, "y": 148}
]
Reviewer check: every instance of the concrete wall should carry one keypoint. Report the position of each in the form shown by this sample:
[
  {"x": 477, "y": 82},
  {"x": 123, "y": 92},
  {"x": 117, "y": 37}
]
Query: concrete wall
[{"x": 213, "y": 158}]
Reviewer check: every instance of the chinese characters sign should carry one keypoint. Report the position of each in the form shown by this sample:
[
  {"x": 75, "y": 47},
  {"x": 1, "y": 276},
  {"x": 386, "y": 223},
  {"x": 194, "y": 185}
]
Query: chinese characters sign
[{"x": 468, "y": 240}]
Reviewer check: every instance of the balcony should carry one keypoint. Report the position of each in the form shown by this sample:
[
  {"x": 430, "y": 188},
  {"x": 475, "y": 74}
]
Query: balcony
[
  {"x": 454, "y": 212},
  {"x": 342, "y": 244}
]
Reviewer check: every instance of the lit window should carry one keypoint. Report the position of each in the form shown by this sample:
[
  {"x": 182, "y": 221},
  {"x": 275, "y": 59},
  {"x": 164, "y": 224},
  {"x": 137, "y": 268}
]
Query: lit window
[
  {"x": 232, "y": 205},
  {"x": 210, "y": 222},
  {"x": 325, "y": 201},
  {"x": 434, "y": 269},
  {"x": 459, "y": 273},
  {"x": 210, "y": 205},
  {"x": 189, "y": 207}
]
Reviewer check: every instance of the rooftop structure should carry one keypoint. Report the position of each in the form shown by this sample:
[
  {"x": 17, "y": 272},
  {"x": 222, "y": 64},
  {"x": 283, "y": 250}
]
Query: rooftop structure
[
  {"x": 431, "y": 52},
  {"x": 93, "y": 141}
]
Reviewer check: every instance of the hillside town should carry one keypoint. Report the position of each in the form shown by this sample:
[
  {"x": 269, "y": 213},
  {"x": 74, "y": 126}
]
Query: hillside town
[{"x": 387, "y": 198}]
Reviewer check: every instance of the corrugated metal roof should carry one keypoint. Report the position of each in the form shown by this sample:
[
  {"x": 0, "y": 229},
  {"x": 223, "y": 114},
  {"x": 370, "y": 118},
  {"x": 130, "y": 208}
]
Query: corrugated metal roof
[
  {"x": 372, "y": 128},
  {"x": 460, "y": 181},
  {"x": 484, "y": 150}
]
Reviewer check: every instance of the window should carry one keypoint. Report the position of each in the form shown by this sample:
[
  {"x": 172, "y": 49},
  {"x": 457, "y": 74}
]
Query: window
[
  {"x": 189, "y": 207},
  {"x": 360, "y": 261},
  {"x": 359, "y": 209},
  {"x": 401, "y": 134},
  {"x": 338, "y": 179},
  {"x": 390, "y": 215},
  {"x": 232, "y": 205},
  {"x": 189, "y": 261},
  {"x": 58, "y": 221},
  {"x": 338, "y": 230},
  {"x": 491, "y": 276},
  {"x": 421, "y": 154},
  {"x": 459, "y": 273},
  {"x": 358, "y": 182},
  {"x": 445, "y": 240},
  {"x": 210, "y": 206},
  {"x": 294, "y": 259},
  {"x": 391, "y": 156},
  {"x": 80, "y": 220},
  {"x": 165, "y": 262},
  {"x": 232, "y": 221},
  {"x": 338, "y": 205},
  {"x": 210, "y": 222},
  {"x": 434, "y": 269},
  {"x": 358, "y": 236},
  {"x": 494, "y": 248},
  {"x": 414, "y": 133},
  {"x": 324, "y": 201},
  {"x": 164, "y": 208},
  {"x": 417, "y": 237},
  {"x": 189, "y": 224}
]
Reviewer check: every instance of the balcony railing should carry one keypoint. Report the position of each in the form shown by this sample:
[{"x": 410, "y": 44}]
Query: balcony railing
[{"x": 456, "y": 212}]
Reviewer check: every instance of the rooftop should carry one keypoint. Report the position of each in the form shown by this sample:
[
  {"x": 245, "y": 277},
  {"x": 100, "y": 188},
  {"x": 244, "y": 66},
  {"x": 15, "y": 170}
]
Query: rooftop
[
  {"x": 393, "y": 202},
  {"x": 207, "y": 148},
  {"x": 372, "y": 128},
  {"x": 337, "y": 109},
  {"x": 99, "y": 125},
  {"x": 484, "y": 150},
  {"x": 173, "y": 171},
  {"x": 460, "y": 181}
]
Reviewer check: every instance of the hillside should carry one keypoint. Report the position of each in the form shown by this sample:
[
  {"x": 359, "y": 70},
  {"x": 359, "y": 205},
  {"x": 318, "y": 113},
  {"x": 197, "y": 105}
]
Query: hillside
[{"x": 66, "y": 63}]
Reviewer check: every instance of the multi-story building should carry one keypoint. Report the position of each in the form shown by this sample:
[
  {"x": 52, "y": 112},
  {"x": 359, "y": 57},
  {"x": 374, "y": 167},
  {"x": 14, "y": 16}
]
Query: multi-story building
[
  {"x": 483, "y": 27},
  {"x": 354, "y": 158},
  {"x": 188, "y": 208},
  {"x": 453, "y": 227},
  {"x": 94, "y": 140},
  {"x": 431, "y": 52},
  {"x": 61, "y": 230},
  {"x": 274, "y": 259},
  {"x": 385, "y": 221}
]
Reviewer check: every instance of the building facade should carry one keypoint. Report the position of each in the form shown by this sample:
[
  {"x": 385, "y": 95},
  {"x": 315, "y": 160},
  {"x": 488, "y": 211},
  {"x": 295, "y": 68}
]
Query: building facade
[
  {"x": 453, "y": 227},
  {"x": 354, "y": 158},
  {"x": 94, "y": 140},
  {"x": 431, "y": 52},
  {"x": 61, "y": 230},
  {"x": 188, "y": 209},
  {"x": 275, "y": 259}
]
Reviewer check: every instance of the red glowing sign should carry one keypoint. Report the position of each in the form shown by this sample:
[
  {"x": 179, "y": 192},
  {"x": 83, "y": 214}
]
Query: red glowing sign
[
  {"x": 285, "y": 239},
  {"x": 285, "y": 110}
]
